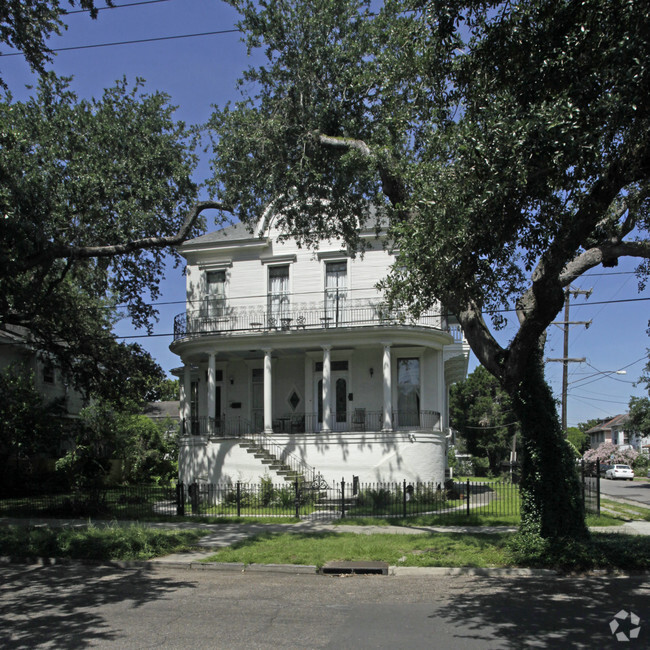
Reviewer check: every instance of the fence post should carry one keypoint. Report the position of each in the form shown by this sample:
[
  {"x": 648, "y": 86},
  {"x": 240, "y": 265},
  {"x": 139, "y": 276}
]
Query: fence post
[
  {"x": 404, "y": 498},
  {"x": 297, "y": 499},
  {"x": 238, "y": 498},
  {"x": 468, "y": 497},
  {"x": 583, "y": 484},
  {"x": 598, "y": 486},
  {"x": 343, "y": 498},
  {"x": 180, "y": 500}
]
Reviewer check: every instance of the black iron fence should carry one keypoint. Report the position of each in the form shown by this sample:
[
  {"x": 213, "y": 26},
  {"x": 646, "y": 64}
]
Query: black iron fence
[{"x": 455, "y": 501}]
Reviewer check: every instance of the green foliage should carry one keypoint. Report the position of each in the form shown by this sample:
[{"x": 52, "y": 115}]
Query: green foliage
[
  {"x": 505, "y": 152},
  {"x": 482, "y": 412},
  {"x": 78, "y": 175},
  {"x": 28, "y": 424},
  {"x": 579, "y": 439},
  {"x": 168, "y": 390},
  {"x": 376, "y": 498},
  {"x": 640, "y": 415},
  {"x": 147, "y": 455},
  {"x": 95, "y": 543}
]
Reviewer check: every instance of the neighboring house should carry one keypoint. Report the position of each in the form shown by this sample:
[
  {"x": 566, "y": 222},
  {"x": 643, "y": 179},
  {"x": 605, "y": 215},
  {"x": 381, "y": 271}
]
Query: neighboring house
[
  {"x": 290, "y": 353},
  {"x": 16, "y": 347},
  {"x": 617, "y": 431},
  {"x": 165, "y": 413}
]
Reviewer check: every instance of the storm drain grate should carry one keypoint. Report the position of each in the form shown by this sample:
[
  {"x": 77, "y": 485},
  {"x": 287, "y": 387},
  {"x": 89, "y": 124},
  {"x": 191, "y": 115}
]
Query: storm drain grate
[{"x": 360, "y": 568}]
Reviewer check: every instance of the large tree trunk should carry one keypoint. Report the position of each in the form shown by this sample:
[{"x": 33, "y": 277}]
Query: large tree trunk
[{"x": 551, "y": 494}]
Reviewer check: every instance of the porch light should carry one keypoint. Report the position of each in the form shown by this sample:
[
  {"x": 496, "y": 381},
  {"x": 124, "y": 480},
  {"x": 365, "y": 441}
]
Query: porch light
[{"x": 372, "y": 372}]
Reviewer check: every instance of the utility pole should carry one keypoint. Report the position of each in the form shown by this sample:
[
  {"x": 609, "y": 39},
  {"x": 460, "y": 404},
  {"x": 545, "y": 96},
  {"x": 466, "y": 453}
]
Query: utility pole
[{"x": 568, "y": 292}]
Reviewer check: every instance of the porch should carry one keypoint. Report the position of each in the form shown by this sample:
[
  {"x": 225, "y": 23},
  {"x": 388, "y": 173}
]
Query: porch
[{"x": 360, "y": 419}]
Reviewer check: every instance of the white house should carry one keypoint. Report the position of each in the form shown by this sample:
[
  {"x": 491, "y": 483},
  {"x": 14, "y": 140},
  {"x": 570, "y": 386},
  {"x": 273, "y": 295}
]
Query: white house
[{"x": 291, "y": 363}]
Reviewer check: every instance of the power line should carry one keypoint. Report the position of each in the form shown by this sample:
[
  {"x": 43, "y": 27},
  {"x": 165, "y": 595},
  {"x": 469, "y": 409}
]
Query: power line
[
  {"x": 122, "y": 6},
  {"x": 135, "y": 41}
]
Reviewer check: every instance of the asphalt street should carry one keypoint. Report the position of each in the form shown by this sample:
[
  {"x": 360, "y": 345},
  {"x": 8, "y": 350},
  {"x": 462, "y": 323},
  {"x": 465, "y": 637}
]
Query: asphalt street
[
  {"x": 81, "y": 606},
  {"x": 638, "y": 491}
]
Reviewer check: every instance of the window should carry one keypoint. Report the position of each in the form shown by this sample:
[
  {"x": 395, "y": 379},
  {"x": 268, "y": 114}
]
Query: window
[
  {"x": 334, "y": 366},
  {"x": 336, "y": 284},
  {"x": 216, "y": 293},
  {"x": 257, "y": 378},
  {"x": 408, "y": 392},
  {"x": 48, "y": 372},
  {"x": 278, "y": 291},
  {"x": 194, "y": 408}
]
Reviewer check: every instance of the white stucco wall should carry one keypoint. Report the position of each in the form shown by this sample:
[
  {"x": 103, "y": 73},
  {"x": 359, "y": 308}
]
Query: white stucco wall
[{"x": 372, "y": 456}]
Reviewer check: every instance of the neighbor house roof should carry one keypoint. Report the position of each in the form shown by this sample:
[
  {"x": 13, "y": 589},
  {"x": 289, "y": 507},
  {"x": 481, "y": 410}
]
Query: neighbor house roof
[
  {"x": 610, "y": 423},
  {"x": 162, "y": 410}
]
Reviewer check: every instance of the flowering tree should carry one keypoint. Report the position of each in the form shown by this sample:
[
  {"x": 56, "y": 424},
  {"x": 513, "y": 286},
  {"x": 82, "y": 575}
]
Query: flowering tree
[{"x": 608, "y": 452}]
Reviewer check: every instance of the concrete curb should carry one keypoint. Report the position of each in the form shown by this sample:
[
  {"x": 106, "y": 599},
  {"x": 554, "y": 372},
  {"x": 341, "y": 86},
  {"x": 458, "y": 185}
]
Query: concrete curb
[{"x": 310, "y": 569}]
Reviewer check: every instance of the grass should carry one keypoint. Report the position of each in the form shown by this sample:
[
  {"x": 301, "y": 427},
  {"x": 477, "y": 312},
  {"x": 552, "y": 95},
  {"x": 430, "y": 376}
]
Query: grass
[
  {"x": 624, "y": 511},
  {"x": 92, "y": 542},
  {"x": 601, "y": 551}
]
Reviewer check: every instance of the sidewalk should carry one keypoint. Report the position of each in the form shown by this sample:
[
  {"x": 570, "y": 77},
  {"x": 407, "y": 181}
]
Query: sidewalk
[{"x": 223, "y": 535}]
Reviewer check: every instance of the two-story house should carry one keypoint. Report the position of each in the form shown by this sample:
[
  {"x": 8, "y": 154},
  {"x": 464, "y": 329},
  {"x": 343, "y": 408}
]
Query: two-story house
[{"x": 293, "y": 349}]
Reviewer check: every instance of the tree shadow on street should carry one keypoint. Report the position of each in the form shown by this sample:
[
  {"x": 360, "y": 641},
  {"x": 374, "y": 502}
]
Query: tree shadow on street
[
  {"x": 60, "y": 605},
  {"x": 551, "y": 612}
]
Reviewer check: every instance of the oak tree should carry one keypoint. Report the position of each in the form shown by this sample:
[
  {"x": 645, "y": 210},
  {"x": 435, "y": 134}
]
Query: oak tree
[{"x": 504, "y": 143}]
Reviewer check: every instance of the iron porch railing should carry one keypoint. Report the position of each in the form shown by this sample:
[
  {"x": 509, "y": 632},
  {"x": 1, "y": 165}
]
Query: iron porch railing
[{"x": 357, "y": 419}]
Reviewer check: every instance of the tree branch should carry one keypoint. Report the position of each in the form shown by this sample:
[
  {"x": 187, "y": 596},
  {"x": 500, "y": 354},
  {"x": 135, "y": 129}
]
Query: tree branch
[
  {"x": 392, "y": 185},
  {"x": 602, "y": 253},
  {"x": 85, "y": 252}
]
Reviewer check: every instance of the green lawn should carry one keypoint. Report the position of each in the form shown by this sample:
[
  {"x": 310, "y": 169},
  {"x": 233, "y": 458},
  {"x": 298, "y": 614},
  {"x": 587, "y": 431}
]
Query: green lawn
[{"x": 602, "y": 551}]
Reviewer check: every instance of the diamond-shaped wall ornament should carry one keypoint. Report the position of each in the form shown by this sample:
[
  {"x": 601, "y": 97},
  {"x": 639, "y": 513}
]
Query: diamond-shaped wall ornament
[{"x": 294, "y": 400}]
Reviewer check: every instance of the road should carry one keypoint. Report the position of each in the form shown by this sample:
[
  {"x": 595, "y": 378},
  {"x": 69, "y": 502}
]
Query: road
[
  {"x": 78, "y": 606},
  {"x": 633, "y": 490}
]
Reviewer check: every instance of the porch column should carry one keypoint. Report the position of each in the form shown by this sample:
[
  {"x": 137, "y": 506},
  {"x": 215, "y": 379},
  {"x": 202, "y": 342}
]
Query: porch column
[
  {"x": 388, "y": 392},
  {"x": 212, "y": 376},
  {"x": 186, "y": 396},
  {"x": 327, "y": 373},
  {"x": 268, "y": 392}
]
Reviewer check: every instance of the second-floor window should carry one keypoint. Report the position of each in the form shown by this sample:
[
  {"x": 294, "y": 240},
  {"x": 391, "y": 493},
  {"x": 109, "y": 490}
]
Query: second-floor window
[
  {"x": 336, "y": 285},
  {"x": 279, "y": 291},
  {"x": 216, "y": 293}
]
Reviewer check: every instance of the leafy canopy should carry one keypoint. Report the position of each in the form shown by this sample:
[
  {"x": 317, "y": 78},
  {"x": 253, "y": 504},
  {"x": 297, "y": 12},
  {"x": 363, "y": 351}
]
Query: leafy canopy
[
  {"x": 81, "y": 181},
  {"x": 502, "y": 146},
  {"x": 482, "y": 413}
]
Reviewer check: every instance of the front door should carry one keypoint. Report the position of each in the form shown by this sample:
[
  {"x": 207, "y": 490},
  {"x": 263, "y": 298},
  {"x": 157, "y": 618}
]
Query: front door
[{"x": 338, "y": 400}]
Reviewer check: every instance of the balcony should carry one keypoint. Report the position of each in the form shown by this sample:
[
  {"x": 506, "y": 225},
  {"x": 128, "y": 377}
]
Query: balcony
[{"x": 250, "y": 320}]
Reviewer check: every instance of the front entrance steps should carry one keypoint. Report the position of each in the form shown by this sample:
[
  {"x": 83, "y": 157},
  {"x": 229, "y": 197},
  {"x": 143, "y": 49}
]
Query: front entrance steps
[{"x": 265, "y": 457}]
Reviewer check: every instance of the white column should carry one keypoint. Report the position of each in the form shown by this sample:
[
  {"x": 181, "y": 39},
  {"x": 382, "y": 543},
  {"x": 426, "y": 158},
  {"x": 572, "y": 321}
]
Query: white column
[
  {"x": 186, "y": 396},
  {"x": 268, "y": 392},
  {"x": 327, "y": 374},
  {"x": 212, "y": 376},
  {"x": 388, "y": 391}
]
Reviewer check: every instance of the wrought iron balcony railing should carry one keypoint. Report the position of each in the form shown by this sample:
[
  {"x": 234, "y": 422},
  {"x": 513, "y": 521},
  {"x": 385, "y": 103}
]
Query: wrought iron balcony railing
[{"x": 301, "y": 317}]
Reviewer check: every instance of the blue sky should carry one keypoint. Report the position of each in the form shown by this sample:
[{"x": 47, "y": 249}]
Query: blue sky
[{"x": 200, "y": 71}]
